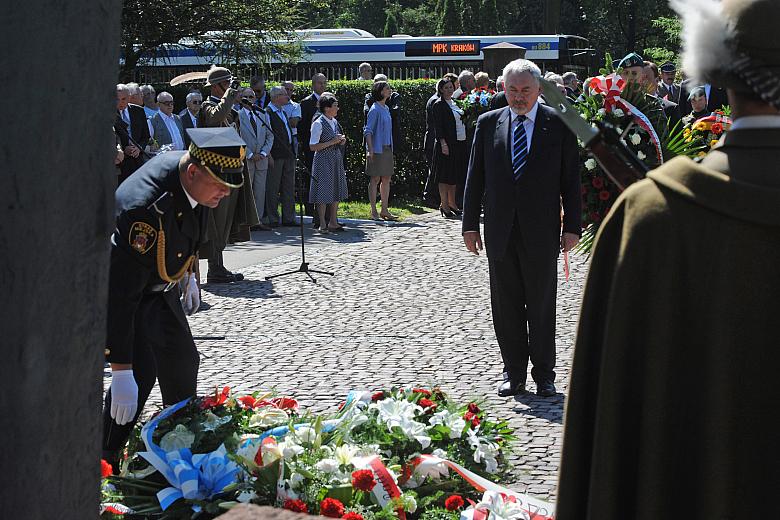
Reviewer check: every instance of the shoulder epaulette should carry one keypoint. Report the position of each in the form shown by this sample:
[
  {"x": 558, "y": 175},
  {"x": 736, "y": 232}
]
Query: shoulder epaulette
[{"x": 162, "y": 205}]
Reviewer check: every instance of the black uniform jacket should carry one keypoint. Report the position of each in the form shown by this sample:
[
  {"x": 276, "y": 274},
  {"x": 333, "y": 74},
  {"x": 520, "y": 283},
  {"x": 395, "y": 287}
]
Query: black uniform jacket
[{"x": 151, "y": 197}]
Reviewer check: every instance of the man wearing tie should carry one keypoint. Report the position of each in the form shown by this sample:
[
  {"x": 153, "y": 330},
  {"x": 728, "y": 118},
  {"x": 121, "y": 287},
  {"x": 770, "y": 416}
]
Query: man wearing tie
[
  {"x": 281, "y": 168},
  {"x": 133, "y": 130},
  {"x": 525, "y": 162},
  {"x": 189, "y": 116},
  {"x": 667, "y": 88}
]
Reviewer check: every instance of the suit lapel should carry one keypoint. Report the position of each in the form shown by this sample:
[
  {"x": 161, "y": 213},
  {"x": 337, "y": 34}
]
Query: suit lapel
[{"x": 502, "y": 140}]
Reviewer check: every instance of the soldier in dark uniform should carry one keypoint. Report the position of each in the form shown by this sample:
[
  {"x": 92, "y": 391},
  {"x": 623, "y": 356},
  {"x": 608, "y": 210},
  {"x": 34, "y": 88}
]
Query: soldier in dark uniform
[{"x": 161, "y": 214}]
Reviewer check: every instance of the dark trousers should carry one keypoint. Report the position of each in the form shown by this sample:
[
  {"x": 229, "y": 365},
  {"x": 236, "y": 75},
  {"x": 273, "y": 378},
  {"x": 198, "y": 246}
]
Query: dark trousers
[
  {"x": 223, "y": 221},
  {"x": 523, "y": 288},
  {"x": 163, "y": 350}
]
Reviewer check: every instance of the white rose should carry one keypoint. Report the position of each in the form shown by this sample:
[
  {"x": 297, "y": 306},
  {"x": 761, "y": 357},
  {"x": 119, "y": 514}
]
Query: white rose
[
  {"x": 636, "y": 139},
  {"x": 601, "y": 112},
  {"x": 306, "y": 434},
  {"x": 246, "y": 496},
  {"x": 618, "y": 112},
  {"x": 290, "y": 450},
  {"x": 327, "y": 465},
  {"x": 590, "y": 164},
  {"x": 641, "y": 155},
  {"x": 410, "y": 504},
  {"x": 176, "y": 439},
  {"x": 296, "y": 479}
]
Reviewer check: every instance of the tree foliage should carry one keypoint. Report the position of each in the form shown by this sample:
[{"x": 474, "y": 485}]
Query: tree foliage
[
  {"x": 228, "y": 28},
  {"x": 451, "y": 22}
]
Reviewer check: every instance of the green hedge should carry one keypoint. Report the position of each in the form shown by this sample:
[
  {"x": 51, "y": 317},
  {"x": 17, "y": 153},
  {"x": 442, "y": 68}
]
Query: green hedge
[{"x": 410, "y": 167}]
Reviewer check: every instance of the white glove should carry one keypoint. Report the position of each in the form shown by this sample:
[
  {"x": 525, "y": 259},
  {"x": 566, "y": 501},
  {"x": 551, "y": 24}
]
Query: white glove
[
  {"x": 124, "y": 396},
  {"x": 190, "y": 300}
]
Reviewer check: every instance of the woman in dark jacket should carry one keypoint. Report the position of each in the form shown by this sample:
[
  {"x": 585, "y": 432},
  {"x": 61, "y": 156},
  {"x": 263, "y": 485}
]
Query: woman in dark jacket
[{"x": 450, "y": 152}]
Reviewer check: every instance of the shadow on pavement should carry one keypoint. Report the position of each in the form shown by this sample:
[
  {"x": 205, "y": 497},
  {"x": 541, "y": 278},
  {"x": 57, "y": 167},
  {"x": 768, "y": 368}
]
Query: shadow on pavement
[
  {"x": 548, "y": 408},
  {"x": 243, "y": 289}
]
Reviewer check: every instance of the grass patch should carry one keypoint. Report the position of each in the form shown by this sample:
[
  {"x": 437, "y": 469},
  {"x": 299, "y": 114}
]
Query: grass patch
[{"x": 401, "y": 208}]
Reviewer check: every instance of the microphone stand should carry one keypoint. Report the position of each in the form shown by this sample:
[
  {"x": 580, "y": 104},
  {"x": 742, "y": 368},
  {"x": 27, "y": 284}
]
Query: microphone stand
[{"x": 304, "y": 268}]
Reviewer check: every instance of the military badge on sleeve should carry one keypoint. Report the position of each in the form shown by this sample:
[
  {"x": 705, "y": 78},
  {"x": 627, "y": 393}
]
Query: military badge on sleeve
[{"x": 142, "y": 237}]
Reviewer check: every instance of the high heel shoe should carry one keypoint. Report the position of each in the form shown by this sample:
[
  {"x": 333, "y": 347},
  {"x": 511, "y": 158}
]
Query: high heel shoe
[
  {"x": 458, "y": 212},
  {"x": 446, "y": 214}
]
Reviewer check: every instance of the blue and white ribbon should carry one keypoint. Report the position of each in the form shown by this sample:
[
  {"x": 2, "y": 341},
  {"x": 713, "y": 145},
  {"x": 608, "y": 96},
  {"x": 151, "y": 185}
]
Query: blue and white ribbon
[{"x": 191, "y": 476}]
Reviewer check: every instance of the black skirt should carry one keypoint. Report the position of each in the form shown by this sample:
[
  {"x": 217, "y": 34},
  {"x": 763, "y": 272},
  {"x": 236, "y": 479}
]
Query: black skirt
[{"x": 451, "y": 169}]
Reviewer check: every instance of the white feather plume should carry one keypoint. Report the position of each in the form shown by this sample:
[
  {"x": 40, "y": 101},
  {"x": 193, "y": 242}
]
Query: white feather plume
[{"x": 705, "y": 33}]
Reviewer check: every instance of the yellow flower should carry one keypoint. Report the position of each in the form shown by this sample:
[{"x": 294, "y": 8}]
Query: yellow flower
[
  {"x": 687, "y": 132},
  {"x": 688, "y": 139},
  {"x": 713, "y": 142},
  {"x": 701, "y": 154}
]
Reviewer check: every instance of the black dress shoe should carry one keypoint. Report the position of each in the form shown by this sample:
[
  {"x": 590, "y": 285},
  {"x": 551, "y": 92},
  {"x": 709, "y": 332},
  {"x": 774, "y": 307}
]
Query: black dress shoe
[
  {"x": 545, "y": 389},
  {"x": 511, "y": 387},
  {"x": 237, "y": 277},
  {"x": 220, "y": 278}
]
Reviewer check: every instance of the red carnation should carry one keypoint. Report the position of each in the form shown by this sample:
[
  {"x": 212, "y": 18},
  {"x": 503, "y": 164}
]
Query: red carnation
[
  {"x": 597, "y": 182},
  {"x": 332, "y": 508},
  {"x": 352, "y": 516},
  {"x": 363, "y": 479},
  {"x": 717, "y": 128},
  {"x": 296, "y": 506},
  {"x": 604, "y": 195},
  {"x": 378, "y": 396},
  {"x": 473, "y": 408},
  {"x": 472, "y": 417},
  {"x": 105, "y": 469},
  {"x": 453, "y": 503},
  {"x": 429, "y": 405},
  {"x": 422, "y": 391},
  {"x": 595, "y": 217}
]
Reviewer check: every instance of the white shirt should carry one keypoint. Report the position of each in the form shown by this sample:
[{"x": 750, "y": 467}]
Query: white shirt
[
  {"x": 173, "y": 129},
  {"x": 283, "y": 117},
  {"x": 528, "y": 124},
  {"x": 292, "y": 109},
  {"x": 316, "y": 129},
  {"x": 194, "y": 119},
  {"x": 193, "y": 202},
  {"x": 460, "y": 128},
  {"x": 750, "y": 122}
]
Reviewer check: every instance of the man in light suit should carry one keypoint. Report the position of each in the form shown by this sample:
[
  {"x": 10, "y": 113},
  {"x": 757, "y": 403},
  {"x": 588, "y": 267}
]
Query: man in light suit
[
  {"x": 166, "y": 126},
  {"x": 189, "y": 116},
  {"x": 259, "y": 141},
  {"x": 525, "y": 162}
]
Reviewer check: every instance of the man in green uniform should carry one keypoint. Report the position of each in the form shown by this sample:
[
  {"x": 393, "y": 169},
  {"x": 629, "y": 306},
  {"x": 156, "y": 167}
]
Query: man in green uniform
[
  {"x": 673, "y": 401},
  {"x": 218, "y": 110}
]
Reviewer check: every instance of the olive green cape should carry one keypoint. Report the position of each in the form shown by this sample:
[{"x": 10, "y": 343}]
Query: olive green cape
[{"x": 674, "y": 403}]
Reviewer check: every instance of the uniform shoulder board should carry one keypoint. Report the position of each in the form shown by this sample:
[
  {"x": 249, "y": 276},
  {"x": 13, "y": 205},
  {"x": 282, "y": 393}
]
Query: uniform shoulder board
[{"x": 162, "y": 205}]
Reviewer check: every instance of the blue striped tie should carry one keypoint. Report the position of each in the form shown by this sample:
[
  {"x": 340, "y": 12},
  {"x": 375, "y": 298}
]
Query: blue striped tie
[{"x": 519, "y": 148}]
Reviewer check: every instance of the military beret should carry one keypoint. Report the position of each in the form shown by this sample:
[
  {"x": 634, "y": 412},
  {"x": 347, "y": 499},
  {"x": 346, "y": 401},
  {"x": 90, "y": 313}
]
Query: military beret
[
  {"x": 221, "y": 151},
  {"x": 632, "y": 60},
  {"x": 668, "y": 67}
]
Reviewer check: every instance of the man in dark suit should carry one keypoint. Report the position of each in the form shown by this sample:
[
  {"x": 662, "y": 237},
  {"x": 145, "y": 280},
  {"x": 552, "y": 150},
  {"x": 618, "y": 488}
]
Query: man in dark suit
[
  {"x": 309, "y": 107},
  {"x": 133, "y": 130},
  {"x": 189, "y": 116},
  {"x": 161, "y": 216},
  {"x": 525, "y": 162}
]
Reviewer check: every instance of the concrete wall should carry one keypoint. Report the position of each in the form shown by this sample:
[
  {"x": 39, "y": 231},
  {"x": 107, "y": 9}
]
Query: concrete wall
[{"x": 57, "y": 71}]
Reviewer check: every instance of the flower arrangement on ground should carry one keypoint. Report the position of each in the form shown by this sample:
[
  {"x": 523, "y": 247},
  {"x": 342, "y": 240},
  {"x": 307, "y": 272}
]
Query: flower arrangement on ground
[
  {"x": 402, "y": 453},
  {"x": 474, "y": 104}
]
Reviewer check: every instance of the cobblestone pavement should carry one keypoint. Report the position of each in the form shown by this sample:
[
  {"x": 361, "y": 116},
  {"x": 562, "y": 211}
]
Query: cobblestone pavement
[{"x": 408, "y": 305}]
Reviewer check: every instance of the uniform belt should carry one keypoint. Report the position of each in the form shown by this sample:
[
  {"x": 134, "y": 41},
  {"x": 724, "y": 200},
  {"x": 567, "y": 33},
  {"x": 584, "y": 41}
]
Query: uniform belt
[{"x": 159, "y": 288}]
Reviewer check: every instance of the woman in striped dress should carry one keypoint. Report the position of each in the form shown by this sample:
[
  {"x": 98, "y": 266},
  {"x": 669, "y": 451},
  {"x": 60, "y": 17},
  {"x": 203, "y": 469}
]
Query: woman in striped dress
[{"x": 328, "y": 178}]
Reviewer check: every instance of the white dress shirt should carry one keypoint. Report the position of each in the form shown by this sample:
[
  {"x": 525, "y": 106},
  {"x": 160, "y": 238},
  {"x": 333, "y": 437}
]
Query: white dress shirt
[
  {"x": 173, "y": 129},
  {"x": 292, "y": 109},
  {"x": 457, "y": 113},
  {"x": 193, "y": 202},
  {"x": 193, "y": 118},
  {"x": 528, "y": 124}
]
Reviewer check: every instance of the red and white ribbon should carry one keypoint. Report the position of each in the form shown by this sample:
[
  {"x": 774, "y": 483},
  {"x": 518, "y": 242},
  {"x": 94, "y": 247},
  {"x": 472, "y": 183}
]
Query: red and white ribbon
[
  {"x": 386, "y": 489},
  {"x": 535, "y": 508}
]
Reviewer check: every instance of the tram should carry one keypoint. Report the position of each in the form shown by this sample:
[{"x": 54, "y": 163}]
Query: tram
[{"x": 338, "y": 52}]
